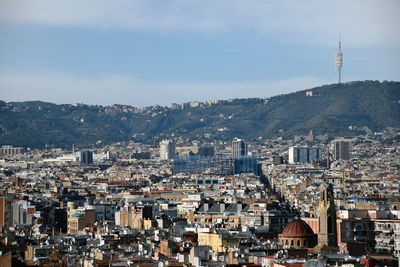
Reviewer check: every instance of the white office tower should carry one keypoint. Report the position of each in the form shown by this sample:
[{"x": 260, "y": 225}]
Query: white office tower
[
  {"x": 167, "y": 149},
  {"x": 304, "y": 154},
  {"x": 239, "y": 148}
]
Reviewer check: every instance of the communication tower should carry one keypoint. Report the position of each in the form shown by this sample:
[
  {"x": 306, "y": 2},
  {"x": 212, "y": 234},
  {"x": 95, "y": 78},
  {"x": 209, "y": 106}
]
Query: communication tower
[{"x": 339, "y": 60}]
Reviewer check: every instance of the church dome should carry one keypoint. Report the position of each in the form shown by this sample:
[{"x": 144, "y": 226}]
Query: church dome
[
  {"x": 298, "y": 234},
  {"x": 297, "y": 227}
]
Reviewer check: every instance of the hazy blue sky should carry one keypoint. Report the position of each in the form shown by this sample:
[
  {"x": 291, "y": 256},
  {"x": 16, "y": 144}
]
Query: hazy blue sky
[{"x": 162, "y": 52}]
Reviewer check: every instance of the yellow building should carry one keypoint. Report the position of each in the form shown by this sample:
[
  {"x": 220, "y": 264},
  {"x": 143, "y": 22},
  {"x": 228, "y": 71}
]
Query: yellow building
[
  {"x": 218, "y": 242},
  {"x": 148, "y": 224}
]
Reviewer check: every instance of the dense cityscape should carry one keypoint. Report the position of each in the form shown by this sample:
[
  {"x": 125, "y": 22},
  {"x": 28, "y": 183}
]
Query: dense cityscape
[
  {"x": 307, "y": 201},
  {"x": 183, "y": 133}
]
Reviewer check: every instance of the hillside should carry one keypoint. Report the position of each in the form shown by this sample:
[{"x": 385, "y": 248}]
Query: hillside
[{"x": 331, "y": 109}]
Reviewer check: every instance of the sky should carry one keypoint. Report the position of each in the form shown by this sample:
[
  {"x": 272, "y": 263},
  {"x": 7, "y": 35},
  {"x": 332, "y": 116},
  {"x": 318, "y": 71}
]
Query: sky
[{"x": 147, "y": 52}]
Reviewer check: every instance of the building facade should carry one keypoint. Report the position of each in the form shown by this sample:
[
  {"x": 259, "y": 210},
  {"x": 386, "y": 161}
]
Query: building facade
[
  {"x": 239, "y": 148},
  {"x": 167, "y": 149},
  {"x": 327, "y": 228},
  {"x": 10, "y": 151},
  {"x": 87, "y": 157},
  {"x": 304, "y": 154},
  {"x": 246, "y": 165},
  {"x": 341, "y": 150}
]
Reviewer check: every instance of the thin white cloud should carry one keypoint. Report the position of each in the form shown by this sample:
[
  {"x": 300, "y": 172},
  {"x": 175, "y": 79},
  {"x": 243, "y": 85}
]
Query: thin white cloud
[
  {"x": 363, "y": 22},
  {"x": 117, "y": 89}
]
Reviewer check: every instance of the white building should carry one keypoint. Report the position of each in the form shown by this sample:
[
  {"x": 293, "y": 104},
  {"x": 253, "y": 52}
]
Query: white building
[
  {"x": 167, "y": 149},
  {"x": 239, "y": 148},
  {"x": 304, "y": 154}
]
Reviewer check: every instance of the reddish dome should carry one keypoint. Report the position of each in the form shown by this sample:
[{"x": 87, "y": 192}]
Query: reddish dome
[{"x": 297, "y": 227}]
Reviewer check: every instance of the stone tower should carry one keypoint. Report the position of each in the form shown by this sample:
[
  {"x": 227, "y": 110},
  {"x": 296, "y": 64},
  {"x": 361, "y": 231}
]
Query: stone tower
[{"x": 327, "y": 232}]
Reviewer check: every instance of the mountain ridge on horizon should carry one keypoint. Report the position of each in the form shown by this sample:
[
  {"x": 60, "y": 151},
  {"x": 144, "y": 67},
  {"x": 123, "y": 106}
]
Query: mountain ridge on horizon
[
  {"x": 200, "y": 101},
  {"x": 331, "y": 109}
]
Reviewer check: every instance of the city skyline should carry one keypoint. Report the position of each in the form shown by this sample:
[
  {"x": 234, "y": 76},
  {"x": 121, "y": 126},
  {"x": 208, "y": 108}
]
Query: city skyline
[
  {"x": 143, "y": 53},
  {"x": 199, "y": 133}
]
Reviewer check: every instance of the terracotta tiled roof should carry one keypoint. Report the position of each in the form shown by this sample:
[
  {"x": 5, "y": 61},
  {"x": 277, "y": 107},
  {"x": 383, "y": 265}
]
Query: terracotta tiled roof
[{"x": 297, "y": 227}]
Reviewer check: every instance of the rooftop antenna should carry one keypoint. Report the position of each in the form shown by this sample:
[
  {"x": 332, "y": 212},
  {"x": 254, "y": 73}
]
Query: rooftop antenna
[{"x": 339, "y": 59}]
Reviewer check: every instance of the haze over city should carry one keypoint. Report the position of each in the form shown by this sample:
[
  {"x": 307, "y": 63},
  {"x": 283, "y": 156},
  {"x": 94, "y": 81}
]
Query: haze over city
[{"x": 161, "y": 52}]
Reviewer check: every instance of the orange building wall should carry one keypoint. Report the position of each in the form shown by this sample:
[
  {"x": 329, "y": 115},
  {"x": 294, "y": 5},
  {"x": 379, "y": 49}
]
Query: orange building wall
[
  {"x": 6, "y": 260},
  {"x": 313, "y": 223}
]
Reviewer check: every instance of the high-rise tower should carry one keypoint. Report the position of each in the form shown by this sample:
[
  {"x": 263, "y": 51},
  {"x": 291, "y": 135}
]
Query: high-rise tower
[
  {"x": 304, "y": 154},
  {"x": 239, "y": 148},
  {"x": 327, "y": 232},
  {"x": 87, "y": 157},
  {"x": 167, "y": 149},
  {"x": 339, "y": 60},
  {"x": 341, "y": 150}
]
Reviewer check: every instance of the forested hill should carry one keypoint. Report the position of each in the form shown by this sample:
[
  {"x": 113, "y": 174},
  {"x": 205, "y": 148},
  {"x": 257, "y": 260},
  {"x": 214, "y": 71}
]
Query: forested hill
[{"x": 331, "y": 109}]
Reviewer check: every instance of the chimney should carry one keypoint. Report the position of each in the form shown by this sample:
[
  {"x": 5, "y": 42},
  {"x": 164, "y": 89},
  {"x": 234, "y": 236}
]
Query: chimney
[
  {"x": 221, "y": 207},
  {"x": 206, "y": 207},
  {"x": 239, "y": 207}
]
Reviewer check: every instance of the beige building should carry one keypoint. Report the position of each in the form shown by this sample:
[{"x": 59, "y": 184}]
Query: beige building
[
  {"x": 136, "y": 217},
  {"x": 218, "y": 242},
  {"x": 79, "y": 221}
]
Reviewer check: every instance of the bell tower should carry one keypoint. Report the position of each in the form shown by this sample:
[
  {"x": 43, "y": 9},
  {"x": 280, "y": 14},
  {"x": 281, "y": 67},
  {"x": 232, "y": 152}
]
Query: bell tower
[{"x": 327, "y": 232}]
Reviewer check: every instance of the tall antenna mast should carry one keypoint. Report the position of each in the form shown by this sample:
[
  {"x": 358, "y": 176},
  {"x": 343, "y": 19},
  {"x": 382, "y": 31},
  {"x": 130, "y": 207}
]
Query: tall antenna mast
[{"x": 339, "y": 59}]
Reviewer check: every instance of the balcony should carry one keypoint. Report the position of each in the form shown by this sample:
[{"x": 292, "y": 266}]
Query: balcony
[
  {"x": 382, "y": 237},
  {"x": 383, "y": 245},
  {"x": 384, "y": 229}
]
